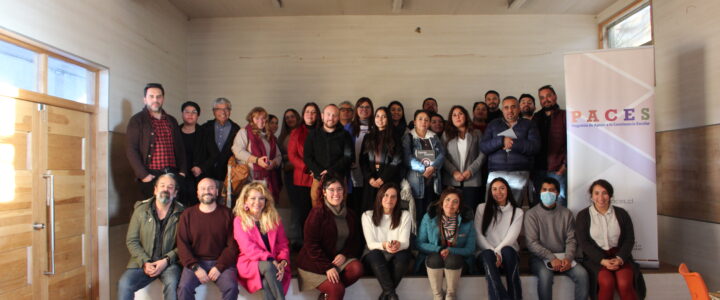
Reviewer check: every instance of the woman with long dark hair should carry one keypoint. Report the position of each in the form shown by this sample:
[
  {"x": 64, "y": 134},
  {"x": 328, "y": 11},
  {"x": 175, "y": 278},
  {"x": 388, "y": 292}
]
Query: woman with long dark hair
[
  {"x": 387, "y": 234},
  {"x": 380, "y": 157},
  {"x": 464, "y": 160},
  {"x": 498, "y": 222},
  {"x": 358, "y": 128},
  {"x": 302, "y": 180}
]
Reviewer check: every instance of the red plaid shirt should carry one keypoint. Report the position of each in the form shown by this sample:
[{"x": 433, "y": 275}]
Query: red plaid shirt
[{"x": 162, "y": 152}]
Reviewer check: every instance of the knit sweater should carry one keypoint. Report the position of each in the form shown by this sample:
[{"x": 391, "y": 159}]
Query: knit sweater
[
  {"x": 549, "y": 231},
  {"x": 376, "y": 235},
  {"x": 502, "y": 231}
]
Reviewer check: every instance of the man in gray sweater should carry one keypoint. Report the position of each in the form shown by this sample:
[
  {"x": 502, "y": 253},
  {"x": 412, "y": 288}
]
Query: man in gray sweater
[{"x": 550, "y": 234}]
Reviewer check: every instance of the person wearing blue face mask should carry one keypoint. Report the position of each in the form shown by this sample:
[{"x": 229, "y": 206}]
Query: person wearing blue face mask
[{"x": 550, "y": 234}]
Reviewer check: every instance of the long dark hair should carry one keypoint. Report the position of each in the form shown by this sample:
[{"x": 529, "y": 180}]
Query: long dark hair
[
  {"x": 378, "y": 211},
  {"x": 285, "y": 129},
  {"x": 439, "y": 203},
  {"x": 396, "y": 102},
  {"x": 451, "y": 131},
  {"x": 492, "y": 209},
  {"x": 377, "y": 139},
  {"x": 355, "y": 124},
  {"x": 317, "y": 116}
]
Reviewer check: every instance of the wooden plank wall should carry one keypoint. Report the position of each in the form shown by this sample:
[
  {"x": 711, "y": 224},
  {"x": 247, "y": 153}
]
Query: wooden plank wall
[{"x": 688, "y": 169}]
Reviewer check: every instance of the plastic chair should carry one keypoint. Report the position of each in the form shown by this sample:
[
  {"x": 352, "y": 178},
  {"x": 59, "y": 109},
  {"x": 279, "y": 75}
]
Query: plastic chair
[{"x": 695, "y": 283}]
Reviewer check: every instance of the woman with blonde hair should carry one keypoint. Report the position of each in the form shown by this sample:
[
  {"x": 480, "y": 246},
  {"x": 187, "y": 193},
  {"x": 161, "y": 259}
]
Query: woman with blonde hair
[
  {"x": 257, "y": 147},
  {"x": 264, "y": 257}
]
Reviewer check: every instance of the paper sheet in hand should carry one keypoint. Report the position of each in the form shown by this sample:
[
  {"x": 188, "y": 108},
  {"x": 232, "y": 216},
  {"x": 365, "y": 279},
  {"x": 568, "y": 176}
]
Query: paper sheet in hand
[{"x": 509, "y": 133}]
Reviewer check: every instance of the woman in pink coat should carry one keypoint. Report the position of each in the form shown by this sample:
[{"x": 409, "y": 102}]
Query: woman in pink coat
[{"x": 264, "y": 257}]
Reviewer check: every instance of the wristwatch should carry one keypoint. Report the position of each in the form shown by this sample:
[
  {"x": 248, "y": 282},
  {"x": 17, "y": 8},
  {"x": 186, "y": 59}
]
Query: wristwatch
[{"x": 194, "y": 267}]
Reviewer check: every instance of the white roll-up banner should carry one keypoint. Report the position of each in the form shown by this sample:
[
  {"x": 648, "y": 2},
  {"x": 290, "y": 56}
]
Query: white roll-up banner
[{"x": 610, "y": 97}]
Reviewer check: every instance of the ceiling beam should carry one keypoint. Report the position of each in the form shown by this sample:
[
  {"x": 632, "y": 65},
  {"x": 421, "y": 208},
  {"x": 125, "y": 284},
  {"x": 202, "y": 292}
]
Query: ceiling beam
[
  {"x": 397, "y": 6},
  {"x": 515, "y": 4},
  {"x": 277, "y": 3}
]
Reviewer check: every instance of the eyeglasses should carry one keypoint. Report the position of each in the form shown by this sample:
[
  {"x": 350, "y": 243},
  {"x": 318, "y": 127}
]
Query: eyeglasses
[
  {"x": 363, "y": 107},
  {"x": 194, "y": 112},
  {"x": 221, "y": 109},
  {"x": 346, "y": 109}
]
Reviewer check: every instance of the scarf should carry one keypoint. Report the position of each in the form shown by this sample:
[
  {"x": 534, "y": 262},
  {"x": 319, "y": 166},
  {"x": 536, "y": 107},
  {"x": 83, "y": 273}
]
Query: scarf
[
  {"x": 339, "y": 211},
  {"x": 449, "y": 230},
  {"x": 257, "y": 149}
]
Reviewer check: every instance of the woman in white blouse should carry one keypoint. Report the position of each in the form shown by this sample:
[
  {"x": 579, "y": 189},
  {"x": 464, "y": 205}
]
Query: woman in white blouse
[
  {"x": 606, "y": 237},
  {"x": 498, "y": 222},
  {"x": 387, "y": 233}
]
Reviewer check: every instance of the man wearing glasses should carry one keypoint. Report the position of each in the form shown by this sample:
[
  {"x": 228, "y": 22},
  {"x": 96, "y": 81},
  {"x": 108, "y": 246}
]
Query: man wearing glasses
[{"x": 216, "y": 148}]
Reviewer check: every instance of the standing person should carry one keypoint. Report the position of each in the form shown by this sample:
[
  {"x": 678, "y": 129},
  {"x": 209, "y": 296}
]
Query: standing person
[
  {"x": 380, "y": 158},
  {"x": 446, "y": 241},
  {"x": 346, "y": 113},
  {"x": 151, "y": 242},
  {"x": 257, "y": 147},
  {"x": 218, "y": 137},
  {"x": 511, "y": 156},
  {"x": 606, "y": 237},
  {"x": 154, "y": 143},
  {"x": 327, "y": 149},
  {"x": 527, "y": 106},
  {"x": 550, "y": 233},
  {"x": 492, "y": 99},
  {"x": 480, "y": 116},
  {"x": 551, "y": 159},
  {"x": 273, "y": 124},
  {"x": 424, "y": 155},
  {"x": 437, "y": 124},
  {"x": 387, "y": 233},
  {"x": 328, "y": 259},
  {"x": 498, "y": 223},
  {"x": 464, "y": 160},
  {"x": 291, "y": 120},
  {"x": 192, "y": 138},
  {"x": 358, "y": 128},
  {"x": 397, "y": 115},
  {"x": 206, "y": 246},
  {"x": 430, "y": 104},
  {"x": 302, "y": 180},
  {"x": 264, "y": 260}
]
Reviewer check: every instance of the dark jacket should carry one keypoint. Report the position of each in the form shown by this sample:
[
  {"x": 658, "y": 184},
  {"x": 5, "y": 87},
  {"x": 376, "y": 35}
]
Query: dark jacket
[
  {"x": 320, "y": 231},
  {"x": 140, "y": 137},
  {"x": 388, "y": 168},
  {"x": 140, "y": 238},
  {"x": 553, "y": 138},
  {"x": 520, "y": 157},
  {"x": 211, "y": 160},
  {"x": 332, "y": 151},
  {"x": 593, "y": 254}
]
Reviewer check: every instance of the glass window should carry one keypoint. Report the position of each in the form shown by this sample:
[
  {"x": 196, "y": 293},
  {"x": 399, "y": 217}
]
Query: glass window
[
  {"x": 633, "y": 30},
  {"x": 18, "y": 67},
  {"x": 69, "y": 81}
]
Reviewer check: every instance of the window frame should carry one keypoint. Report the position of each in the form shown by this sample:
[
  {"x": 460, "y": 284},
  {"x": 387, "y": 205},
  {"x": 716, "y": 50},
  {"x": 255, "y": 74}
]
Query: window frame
[{"x": 618, "y": 17}]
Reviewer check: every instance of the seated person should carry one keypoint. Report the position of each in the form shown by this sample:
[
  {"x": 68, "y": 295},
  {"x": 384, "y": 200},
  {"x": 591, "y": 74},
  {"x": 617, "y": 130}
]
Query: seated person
[
  {"x": 606, "y": 238},
  {"x": 446, "y": 241}
]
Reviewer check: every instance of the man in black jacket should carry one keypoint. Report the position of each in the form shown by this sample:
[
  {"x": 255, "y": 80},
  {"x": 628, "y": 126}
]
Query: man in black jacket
[
  {"x": 328, "y": 149},
  {"x": 216, "y": 148}
]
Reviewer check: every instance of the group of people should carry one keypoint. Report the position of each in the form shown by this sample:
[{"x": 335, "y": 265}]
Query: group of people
[{"x": 368, "y": 190}]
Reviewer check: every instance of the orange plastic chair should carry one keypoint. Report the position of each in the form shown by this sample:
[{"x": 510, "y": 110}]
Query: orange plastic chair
[{"x": 695, "y": 283}]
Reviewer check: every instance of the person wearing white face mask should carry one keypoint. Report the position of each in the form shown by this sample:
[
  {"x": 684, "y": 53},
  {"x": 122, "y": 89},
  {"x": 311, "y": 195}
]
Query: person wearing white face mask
[{"x": 550, "y": 234}]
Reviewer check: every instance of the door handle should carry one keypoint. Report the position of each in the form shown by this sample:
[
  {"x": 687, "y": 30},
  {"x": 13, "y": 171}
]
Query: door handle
[
  {"x": 38, "y": 226},
  {"x": 50, "y": 188}
]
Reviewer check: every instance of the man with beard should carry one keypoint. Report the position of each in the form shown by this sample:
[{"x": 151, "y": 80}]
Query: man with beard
[
  {"x": 527, "y": 106},
  {"x": 510, "y": 144},
  {"x": 551, "y": 160},
  {"x": 151, "y": 242},
  {"x": 492, "y": 99},
  {"x": 206, "y": 246},
  {"x": 154, "y": 143}
]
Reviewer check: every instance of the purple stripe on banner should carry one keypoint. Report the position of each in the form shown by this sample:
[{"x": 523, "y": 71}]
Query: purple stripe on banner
[{"x": 616, "y": 149}]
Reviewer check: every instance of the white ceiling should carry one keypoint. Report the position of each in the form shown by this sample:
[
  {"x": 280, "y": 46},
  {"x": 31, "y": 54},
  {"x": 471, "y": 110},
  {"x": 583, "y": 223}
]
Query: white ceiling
[{"x": 265, "y": 8}]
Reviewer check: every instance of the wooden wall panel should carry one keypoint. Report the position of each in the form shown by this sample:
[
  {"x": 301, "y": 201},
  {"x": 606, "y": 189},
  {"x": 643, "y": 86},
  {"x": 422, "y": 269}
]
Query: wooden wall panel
[{"x": 688, "y": 169}]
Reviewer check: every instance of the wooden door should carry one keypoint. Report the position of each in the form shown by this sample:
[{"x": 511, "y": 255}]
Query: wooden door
[{"x": 44, "y": 226}]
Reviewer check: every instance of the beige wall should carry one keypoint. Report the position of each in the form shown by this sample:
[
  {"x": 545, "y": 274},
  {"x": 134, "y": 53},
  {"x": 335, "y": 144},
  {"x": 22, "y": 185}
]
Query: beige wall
[
  {"x": 281, "y": 62},
  {"x": 687, "y": 67}
]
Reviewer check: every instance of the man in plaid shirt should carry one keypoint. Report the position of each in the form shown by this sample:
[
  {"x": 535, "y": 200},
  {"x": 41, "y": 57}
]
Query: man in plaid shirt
[{"x": 154, "y": 144}]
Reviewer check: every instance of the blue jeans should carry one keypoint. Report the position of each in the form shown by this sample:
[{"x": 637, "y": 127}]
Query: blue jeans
[
  {"x": 510, "y": 259},
  {"x": 135, "y": 279},
  {"x": 227, "y": 282},
  {"x": 545, "y": 279}
]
